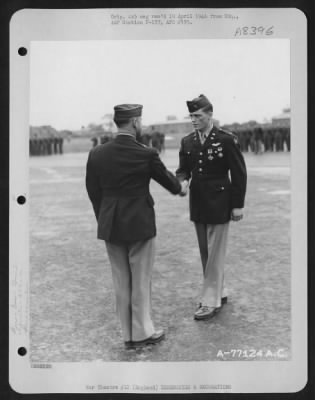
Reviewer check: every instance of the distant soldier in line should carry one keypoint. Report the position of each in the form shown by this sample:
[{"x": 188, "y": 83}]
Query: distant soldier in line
[
  {"x": 35, "y": 145},
  {"x": 269, "y": 138},
  {"x": 40, "y": 146},
  {"x": 240, "y": 135},
  {"x": 55, "y": 143},
  {"x": 46, "y": 143},
  {"x": 44, "y": 146},
  {"x": 242, "y": 138},
  {"x": 272, "y": 138},
  {"x": 279, "y": 139},
  {"x": 156, "y": 140},
  {"x": 49, "y": 145},
  {"x": 258, "y": 140},
  {"x": 247, "y": 139},
  {"x": 251, "y": 140},
  {"x": 286, "y": 138},
  {"x": 31, "y": 146},
  {"x": 94, "y": 141},
  {"x": 60, "y": 143}
]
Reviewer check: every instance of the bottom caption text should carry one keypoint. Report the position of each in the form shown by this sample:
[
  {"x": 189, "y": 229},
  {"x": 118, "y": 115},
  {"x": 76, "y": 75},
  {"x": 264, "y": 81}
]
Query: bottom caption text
[{"x": 158, "y": 388}]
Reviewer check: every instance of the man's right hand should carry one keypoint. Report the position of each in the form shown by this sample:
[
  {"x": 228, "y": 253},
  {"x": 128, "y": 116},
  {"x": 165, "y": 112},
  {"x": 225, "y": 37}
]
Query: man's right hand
[{"x": 184, "y": 189}]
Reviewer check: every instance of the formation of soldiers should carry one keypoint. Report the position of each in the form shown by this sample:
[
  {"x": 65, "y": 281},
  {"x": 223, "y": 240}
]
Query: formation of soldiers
[
  {"x": 262, "y": 138},
  {"x": 45, "y": 140},
  {"x": 104, "y": 138},
  {"x": 153, "y": 139},
  {"x": 252, "y": 137}
]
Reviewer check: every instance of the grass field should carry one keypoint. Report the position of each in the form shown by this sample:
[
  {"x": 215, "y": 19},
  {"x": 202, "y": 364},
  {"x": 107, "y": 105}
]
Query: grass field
[{"x": 72, "y": 300}]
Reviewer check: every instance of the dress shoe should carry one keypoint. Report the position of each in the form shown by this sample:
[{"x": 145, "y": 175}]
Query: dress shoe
[
  {"x": 157, "y": 337},
  {"x": 205, "y": 312},
  {"x": 224, "y": 300}
]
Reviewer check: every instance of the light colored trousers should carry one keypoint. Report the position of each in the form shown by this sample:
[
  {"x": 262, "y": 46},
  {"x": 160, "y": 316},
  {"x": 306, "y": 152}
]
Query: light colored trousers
[
  {"x": 212, "y": 240},
  {"x": 132, "y": 266}
]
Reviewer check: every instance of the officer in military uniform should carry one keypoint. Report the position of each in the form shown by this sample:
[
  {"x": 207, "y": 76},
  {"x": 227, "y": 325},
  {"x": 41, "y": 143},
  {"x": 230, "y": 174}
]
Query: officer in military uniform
[
  {"x": 117, "y": 180},
  {"x": 207, "y": 157}
]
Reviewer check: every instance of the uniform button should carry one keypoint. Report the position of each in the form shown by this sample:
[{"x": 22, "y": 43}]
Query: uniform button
[
  {"x": 200, "y": 161},
  {"x": 222, "y": 188},
  {"x": 200, "y": 153},
  {"x": 200, "y": 169}
]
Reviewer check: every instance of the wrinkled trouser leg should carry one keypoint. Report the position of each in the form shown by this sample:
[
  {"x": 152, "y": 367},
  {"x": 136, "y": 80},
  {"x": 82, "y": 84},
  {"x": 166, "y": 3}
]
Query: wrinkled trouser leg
[
  {"x": 132, "y": 271},
  {"x": 141, "y": 259},
  {"x": 212, "y": 240}
]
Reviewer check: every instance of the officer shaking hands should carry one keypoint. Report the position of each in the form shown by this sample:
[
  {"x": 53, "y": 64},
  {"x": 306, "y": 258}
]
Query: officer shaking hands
[
  {"x": 211, "y": 160},
  {"x": 118, "y": 174}
]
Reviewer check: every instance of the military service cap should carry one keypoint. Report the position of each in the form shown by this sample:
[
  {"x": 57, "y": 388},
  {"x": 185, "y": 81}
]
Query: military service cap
[
  {"x": 198, "y": 103},
  {"x": 125, "y": 111}
]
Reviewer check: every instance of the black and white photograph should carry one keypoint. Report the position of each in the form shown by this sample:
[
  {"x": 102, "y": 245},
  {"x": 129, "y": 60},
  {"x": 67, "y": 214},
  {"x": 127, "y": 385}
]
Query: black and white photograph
[{"x": 160, "y": 199}]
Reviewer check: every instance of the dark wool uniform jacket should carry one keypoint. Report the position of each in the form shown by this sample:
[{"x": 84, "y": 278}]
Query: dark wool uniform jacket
[
  {"x": 218, "y": 175},
  {"x": 118, "y": 174}
]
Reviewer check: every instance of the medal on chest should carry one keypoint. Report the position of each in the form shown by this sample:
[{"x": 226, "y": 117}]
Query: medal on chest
[{"x": 216, "y": 150}]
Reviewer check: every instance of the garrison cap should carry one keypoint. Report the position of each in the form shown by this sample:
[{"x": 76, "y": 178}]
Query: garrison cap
[
  {"x": 198, "y": 103},
  {"x": 125, "y": 111}
]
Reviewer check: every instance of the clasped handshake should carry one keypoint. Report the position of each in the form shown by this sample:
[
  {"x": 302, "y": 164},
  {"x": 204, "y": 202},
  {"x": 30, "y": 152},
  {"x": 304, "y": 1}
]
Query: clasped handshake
[{"x": 184, "y": 190}]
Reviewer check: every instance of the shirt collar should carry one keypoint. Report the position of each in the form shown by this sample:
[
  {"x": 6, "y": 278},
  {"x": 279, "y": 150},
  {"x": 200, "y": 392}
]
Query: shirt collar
[
  {"x": 125, "y": 133},
  {"x": 206, "y": 133}
]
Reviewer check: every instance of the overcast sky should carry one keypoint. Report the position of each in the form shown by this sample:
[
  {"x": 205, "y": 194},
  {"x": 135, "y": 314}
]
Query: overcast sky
[{"x": 76, "y": 83}]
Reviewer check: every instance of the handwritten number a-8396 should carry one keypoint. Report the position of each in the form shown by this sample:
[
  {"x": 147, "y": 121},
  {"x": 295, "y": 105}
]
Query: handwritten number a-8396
[{"x": 254, "y": 30}]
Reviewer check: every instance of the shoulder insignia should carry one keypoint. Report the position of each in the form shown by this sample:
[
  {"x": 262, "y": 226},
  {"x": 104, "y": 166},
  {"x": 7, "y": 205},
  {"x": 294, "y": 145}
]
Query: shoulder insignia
[
  {"x": 190, "y": 136},
  {"x": 231, "y": 134},
  {"x": 226, "y": 132}
]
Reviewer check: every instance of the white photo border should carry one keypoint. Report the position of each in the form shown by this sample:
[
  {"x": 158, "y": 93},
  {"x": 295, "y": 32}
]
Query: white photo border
[{"x": 252, "y": 377}]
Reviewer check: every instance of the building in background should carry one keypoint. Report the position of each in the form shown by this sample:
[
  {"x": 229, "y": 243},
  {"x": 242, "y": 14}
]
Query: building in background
[
  {"x": 173, "y": 129},
  {"x": 256, "y": 137},
  {"x": 282, "y": 119}
]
